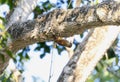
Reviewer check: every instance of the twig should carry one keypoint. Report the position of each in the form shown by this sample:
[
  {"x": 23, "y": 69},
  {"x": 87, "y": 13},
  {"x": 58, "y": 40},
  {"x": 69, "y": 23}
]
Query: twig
[{"x": 51, "y": 63}]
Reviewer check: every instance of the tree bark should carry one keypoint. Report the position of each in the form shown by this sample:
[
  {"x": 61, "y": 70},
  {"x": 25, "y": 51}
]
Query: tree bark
[
  {"x": 83, "y": 61},
  {"x": 20, "y": 14},
  {"x": 65, "y": 23}
]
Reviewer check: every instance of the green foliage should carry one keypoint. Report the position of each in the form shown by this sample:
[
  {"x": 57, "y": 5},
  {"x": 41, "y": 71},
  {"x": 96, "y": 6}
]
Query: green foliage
[
  {"x": 2, "y": 57},
  {"x": 4, "y": 50},
  {"x": 42, "y": 45},
  {"x": 110, "y": 54},
  {"x": 60, "y": 48},
  {"x": 4, "y": 21},
  {"x": 11, "y": 3},
  {"x": 45, "y": 6},
  {"x": 3, "y": 43},
  {"x": 6, "y": 78},
  {"x": 69, "y": 4},
  {"x": 20, "y": 58},
  {"x": 23, "y": 55},
  {"x": 102, "y": 74}
]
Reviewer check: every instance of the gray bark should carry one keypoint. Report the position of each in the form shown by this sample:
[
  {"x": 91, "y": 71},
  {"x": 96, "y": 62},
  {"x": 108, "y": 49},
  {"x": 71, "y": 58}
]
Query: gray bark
[
  {"x": 20, "y": 14},
  {"x": 92, "y": 50},
  {"x": 63, "y": 23}
]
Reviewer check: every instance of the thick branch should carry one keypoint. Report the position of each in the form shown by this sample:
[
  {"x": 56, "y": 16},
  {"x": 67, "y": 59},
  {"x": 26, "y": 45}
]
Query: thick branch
[
  {"x": 97, "y": 45},
  {"x": 64, "y": 23},
  {"x": 20, "y": 13},
  {"x": 100, "y": 40},
  {"x": 71, "y": 65}
]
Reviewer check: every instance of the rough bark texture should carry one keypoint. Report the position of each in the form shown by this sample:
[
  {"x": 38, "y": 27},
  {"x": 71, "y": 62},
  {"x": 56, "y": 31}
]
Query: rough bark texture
[
  {"x": 71, "y": 65},
  {"x": 65, "y": 23},
  {"x": 77, "y": 3},
  {"x": 4, "y": 64},
  {"x": 20, "y": 14},
  {"x": 78, "y": 68},
  {"x": 22, "y": 11},
  {"x": 94, "y": 51}
]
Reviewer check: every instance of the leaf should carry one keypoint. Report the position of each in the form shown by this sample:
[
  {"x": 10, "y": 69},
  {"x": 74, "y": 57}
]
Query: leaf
[
  {"x": 69, "y": 2},
  {"x": 2, "y": 1},
  {"x": 110, "y": 53},
  {"x": 10, "y": 53},
  {"x": 11, "y": 3},
  {"x": 2, "y": 57},
  {"x": 60, "y": 48},
  {"x": 47, "y": 49},
  {"x": 81, "y": 35},
  {"x": 2, "y": 27},
  {"x": 42, "y": 55},
  {"x": 37, "y": 48},
  {"x": 27, "y": 56},
  {"x": 20, "y": 55},
  {"x": 3, "y": 19}
]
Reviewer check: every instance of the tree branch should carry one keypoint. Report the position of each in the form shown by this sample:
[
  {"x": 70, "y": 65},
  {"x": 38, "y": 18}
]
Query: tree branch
[
  {"x": 78, "y": 70},
  {"x": 71, "y": 65},
  {"x": 22, "y": 11},
  {"x": 20, "y": 14},
  {"x": 64, "y": 23}
]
